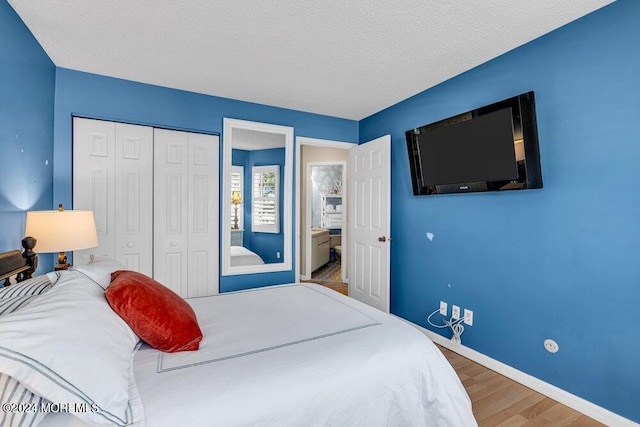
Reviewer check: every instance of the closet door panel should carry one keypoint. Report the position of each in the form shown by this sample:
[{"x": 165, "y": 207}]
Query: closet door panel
[
  {"x": 93, "y": 181},
  {"x": 171, "y": 170},
  {"x": 174, "y": 272},
  {"x": 112, "y": 176},
  {"x": 203, "y": 220},
  {"x": 134, "y": 197},
  {"x": 186, "y": 212},
  {"x": 98, "y": 190}
]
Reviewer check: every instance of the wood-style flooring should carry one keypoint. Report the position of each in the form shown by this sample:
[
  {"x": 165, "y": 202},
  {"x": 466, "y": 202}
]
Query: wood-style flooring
[
  {"x": 336, "y": 286},
  {"x": 500, "y": 402}
]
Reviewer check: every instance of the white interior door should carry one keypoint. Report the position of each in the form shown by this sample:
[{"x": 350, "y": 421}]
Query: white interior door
[
  {"x": 369, "y": 224},
  {"x": 112, "y": 176},
  {"x": 186, "y": 212}
]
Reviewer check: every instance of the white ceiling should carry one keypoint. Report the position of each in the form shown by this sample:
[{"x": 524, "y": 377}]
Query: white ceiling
[
  {"x": 247, "y": 139},
  {"x": 347, "y": 59}
]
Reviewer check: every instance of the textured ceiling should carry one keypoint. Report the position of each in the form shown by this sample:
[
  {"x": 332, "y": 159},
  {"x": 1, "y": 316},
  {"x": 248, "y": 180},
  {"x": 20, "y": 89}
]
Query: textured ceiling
[
  {"x": 246, "y": 139},
  {"x": 347, "y": 59}
]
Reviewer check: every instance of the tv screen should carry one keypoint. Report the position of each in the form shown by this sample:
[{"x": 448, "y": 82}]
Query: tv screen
[{"x": 491, "y": 148}]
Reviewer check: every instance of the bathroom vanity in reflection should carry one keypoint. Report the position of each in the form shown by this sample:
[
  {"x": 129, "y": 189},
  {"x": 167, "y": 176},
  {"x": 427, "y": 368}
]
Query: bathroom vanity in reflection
[{"x": 319, "y": 248}]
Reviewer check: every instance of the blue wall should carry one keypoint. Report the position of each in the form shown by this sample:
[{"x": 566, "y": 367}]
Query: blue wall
[
  {"x": 95, "y": 96},
  {"x": 561, "y": 262},
  {"x": 26, "y": 130},
  {"x": 264, "y": 244}
]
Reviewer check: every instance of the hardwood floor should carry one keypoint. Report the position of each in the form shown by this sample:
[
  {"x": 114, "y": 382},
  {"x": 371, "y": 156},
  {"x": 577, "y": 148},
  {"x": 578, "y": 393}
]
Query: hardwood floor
[
  {"x": 500, "y": 402},
  {"x": 336, "y": 286}
]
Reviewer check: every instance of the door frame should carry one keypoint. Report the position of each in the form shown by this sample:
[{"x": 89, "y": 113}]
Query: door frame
[{"x": 300, "y": 141}]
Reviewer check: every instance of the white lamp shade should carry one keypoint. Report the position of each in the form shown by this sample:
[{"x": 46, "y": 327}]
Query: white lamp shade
[{"x": 64, "y": 231}]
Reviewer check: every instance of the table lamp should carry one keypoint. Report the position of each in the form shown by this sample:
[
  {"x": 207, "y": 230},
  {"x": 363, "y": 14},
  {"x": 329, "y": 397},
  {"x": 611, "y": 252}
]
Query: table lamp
[
  {"x": 62, "y": 231},
  {"x": 236, "y": 199}
]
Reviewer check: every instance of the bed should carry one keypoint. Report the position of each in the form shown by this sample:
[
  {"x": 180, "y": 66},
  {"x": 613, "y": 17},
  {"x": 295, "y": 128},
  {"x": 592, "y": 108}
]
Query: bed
[
  {"x": 287, "y": 355},
  {"x": 243, "y": 256},
  {"x": 18, "y": 265}
]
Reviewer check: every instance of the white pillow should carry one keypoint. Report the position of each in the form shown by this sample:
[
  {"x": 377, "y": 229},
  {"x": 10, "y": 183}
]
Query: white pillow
[
  {"x": 68, "y": 346},
  {"x": 15, "y": 296},
  {"x": 99, "y": 270},
  {"x": 20, "y": 406},
  {"x": 34, "y": 286}
]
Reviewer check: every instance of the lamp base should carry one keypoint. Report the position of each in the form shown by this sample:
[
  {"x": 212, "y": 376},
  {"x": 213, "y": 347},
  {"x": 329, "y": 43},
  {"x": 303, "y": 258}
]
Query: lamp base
[
  {"x": 59, "y": 267},
  {"x": 62, "y": 262}
]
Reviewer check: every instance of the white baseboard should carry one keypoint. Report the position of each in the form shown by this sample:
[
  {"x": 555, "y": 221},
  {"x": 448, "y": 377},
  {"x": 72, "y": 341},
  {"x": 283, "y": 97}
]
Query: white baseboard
[{"x": 592, "y": 410}]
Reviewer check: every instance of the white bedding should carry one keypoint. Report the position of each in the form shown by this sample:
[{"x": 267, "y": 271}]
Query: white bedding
[
  {"x": 243, "y": 256},
  {"x": 299, "y": 355}
]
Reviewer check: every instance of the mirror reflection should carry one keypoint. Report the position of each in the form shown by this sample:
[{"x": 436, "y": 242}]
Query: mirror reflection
[
  {"x": 257, "y": 202},
  {"x": 326, "y": 188}
]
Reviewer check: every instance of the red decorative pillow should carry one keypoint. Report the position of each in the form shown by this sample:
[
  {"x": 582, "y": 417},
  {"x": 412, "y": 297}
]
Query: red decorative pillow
[{"x": 157, "y": 314}]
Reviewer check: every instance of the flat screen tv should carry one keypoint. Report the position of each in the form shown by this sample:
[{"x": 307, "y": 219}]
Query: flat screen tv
[{"x": 492, "y": 148}]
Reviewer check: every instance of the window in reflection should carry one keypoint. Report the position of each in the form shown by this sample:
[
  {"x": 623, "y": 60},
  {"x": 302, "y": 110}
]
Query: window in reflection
[
  {"x": 266, "y": 212},
  {"x": 261, "y": 190}
]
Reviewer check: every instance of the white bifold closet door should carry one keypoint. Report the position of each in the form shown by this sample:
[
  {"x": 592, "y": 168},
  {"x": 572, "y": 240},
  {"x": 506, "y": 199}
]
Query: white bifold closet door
[
  {"x": 154, "y": 194},
  {"x": 113, "y": 177},
  {"x": 185, "y": 194}
]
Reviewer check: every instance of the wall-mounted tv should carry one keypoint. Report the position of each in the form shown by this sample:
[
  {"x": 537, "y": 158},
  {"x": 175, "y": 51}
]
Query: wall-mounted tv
[{"x": 492, "y": 148}]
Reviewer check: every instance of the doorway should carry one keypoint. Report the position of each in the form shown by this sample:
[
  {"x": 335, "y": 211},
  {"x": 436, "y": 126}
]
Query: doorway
[
  {"x": 326, "y": 235},
  {"x": 326, "y": 211}
]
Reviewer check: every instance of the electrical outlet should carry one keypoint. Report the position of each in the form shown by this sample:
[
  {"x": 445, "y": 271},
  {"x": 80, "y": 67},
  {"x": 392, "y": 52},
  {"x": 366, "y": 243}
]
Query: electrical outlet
[
  {"x": 278, "y": 255},
  {"x": 455, "y": 312},
  {"x": 468, "y": 317},
  {"x": 443, "y": 308},
  {"x": 551, "y": 346}
]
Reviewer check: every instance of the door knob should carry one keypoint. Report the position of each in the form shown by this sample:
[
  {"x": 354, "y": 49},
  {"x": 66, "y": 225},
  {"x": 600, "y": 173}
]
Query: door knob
[{"x": 382, "y": 239}]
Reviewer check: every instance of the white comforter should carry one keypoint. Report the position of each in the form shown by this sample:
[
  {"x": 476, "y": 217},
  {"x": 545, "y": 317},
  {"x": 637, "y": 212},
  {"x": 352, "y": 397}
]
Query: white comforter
[
  {"x": 243, "y": 256},
  {"x": 300, "y": 355}
]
